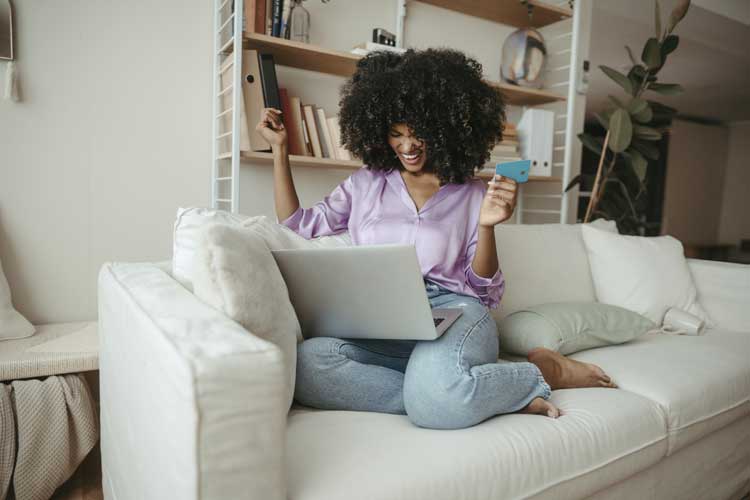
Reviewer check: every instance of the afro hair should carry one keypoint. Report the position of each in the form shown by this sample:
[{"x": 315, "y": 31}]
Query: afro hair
[{"x": 439, "y": 94}]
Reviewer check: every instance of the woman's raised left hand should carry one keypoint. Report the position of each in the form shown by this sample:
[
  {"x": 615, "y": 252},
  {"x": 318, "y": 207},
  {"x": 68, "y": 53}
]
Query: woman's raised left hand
[{"x": 499, "y": 201}]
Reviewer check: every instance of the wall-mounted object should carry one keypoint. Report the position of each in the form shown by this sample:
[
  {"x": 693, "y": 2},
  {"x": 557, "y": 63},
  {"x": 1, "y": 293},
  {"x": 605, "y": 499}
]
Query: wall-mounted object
[
  {"x": 6, "y": 30},
  {"x": 523, "y": 58},
  {"x": 6, "y": 49}
]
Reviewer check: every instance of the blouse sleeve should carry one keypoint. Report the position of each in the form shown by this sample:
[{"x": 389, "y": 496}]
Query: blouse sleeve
[
  {"x": 489, "y": 290},
  {"x": 327, "y": 217}
]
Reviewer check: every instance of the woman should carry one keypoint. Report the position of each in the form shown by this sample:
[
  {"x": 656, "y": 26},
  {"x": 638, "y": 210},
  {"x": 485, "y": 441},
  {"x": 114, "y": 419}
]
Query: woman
[{"x": 422, "y": 122}]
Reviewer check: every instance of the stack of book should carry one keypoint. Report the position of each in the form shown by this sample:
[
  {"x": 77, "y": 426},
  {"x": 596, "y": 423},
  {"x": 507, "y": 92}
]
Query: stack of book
[
  {"x": 269, "y": 17},
  {"x": 310, "y": 131},
  {"x": 505, "y": 150}
]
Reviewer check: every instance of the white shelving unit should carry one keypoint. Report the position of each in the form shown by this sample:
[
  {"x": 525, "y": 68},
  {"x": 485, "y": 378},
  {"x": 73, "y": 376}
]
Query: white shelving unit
[{"x": 566, "y": 35}]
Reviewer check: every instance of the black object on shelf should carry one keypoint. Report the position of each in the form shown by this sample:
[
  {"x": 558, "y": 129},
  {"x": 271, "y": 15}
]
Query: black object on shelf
[{"x": 268, "y": 81}]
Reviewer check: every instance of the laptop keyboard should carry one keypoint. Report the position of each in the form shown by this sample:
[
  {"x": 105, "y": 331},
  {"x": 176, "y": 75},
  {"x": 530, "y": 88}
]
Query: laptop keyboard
[{"x": 438, "y": 321}]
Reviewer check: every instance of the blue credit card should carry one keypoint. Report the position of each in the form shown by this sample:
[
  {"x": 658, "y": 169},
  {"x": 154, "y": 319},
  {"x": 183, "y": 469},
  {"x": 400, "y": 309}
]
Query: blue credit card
[{"x": 518, "y": 170}]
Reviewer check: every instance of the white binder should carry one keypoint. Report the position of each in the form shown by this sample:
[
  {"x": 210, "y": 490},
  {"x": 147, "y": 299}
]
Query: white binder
[{"x": 536, "y": 133}]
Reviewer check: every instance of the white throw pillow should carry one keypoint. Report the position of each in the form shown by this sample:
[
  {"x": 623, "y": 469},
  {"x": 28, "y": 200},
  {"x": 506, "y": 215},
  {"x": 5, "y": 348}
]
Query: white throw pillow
[
  {"x": 647, "y": 275},
  {"x": 190, "y": 221},
  {"x": 234, "y": 271},
  {"x": 12, "y": 324}
]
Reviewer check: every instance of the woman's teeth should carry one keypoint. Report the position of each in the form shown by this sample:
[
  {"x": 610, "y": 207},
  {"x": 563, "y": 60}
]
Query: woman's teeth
[{"x": 410, "y": 158}]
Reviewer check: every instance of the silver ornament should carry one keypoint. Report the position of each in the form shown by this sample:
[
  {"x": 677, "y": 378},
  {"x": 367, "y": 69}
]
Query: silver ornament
[{"x": 524, "y": 57}]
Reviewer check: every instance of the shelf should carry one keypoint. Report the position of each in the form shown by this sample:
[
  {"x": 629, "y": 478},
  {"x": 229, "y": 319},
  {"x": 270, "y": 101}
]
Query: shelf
[
  {"x": 523, "y": 96},
  {"x": 510, "y": 12},
  {"x": 314, "y": 58},
  {"x": 303, "y": 161},
  {"x": 328, "y": 163},
  {"x": 300, "y": 55}
]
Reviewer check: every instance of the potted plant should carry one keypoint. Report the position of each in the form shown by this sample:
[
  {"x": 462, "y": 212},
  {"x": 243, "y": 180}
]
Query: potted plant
[{"x": 633, "y": 124}]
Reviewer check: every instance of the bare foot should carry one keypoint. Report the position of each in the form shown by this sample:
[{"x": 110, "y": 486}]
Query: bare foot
[
  {"x": 540, "y": 406},
  {"x": 563, "y": 373}
]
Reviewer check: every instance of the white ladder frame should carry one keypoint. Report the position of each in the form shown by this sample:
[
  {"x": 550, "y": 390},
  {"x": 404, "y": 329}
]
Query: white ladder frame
[{"x": 221, "y": 157}]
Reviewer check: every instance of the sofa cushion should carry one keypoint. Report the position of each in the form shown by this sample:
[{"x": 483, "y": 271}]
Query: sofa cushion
[
  {"x": 604, "y": 436},
  {"x": 701, "y": 382},
  {"x": 190, "y": 222},
  {"x": 544, "y": 263},
  {"x": 568, "y": 327},
  {"x": 647, "y": 275},
  {"x": 234, "y": 271}
]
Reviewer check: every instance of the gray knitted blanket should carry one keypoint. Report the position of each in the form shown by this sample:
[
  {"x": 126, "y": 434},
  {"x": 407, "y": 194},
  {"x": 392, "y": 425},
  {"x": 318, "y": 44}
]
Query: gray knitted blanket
[{"x": 47, "y": 427}]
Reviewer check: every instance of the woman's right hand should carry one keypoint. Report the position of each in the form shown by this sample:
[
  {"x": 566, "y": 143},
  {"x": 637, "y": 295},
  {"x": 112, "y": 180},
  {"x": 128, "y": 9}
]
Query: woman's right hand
[{"x": 271, "y": 127}]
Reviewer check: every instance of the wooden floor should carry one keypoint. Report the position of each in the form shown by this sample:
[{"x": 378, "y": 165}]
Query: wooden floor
[{"x": 86, "y": 482}]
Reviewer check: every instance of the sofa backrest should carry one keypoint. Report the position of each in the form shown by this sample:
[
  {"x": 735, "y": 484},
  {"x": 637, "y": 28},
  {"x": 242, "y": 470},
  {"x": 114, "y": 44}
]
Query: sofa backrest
[{"x": 541, "y": 262}]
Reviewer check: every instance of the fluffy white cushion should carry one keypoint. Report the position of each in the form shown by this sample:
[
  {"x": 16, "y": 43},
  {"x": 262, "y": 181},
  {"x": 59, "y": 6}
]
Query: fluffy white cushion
[
  {"x": 234, "y": 271},
  {"x": 190, "y": 221},
  {"x": 647, "y": 275},
  {"x": 12, "y": 324}
]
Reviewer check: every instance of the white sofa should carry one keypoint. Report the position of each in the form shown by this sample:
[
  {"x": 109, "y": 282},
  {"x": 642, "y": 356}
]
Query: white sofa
[{"x": 192, "y": 404}]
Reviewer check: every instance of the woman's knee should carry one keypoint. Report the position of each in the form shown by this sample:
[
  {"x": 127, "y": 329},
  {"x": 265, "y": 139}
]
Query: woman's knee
[
  {"x": 437, "y": 405},
  {"x": 317, "y": 352}
]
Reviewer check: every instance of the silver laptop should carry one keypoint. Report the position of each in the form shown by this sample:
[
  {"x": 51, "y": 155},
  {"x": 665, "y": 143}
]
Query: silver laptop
[{"x": 365, "y": 292}]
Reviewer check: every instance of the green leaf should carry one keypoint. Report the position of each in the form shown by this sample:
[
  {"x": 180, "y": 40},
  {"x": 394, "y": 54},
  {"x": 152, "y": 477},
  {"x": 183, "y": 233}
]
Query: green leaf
[
  {"x": 644, "y": 116},
  {"x": 669, "y": 45},
  {"x": 667, "y": 88},
  {"x": 637, "y": 162},
  {"x": 615, "y": 100},
  {"x": 636, "y": 105},
  {"x": 591, "y": 143},
  {"x": 618, "y": 78},
  {"x": 630, "y": 55},
  {"x": 646, "y": 133},
  {"x": 620, "y": 130},
  {"x": 603, "y": 118},
  {"x": 576, "y": 180},
  {"x": 647, "y": 149},
  {"x": 677, "y": 14},
  {"x": 657, "y": 19},
  {"x": 651, "y": 56}
]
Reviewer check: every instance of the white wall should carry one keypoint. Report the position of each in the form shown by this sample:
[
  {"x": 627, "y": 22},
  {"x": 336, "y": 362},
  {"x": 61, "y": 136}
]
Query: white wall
[
  {"x": 112, "y": 135},
  {"x": 735, "y": 200}
]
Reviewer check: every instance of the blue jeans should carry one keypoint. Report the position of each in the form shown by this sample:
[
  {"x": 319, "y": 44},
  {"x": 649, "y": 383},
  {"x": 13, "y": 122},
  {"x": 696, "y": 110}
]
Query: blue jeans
[{"x": 451, "y": 382}]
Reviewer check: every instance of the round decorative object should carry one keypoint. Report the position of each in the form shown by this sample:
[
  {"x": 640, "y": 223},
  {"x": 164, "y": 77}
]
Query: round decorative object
[{"x": 523, "y": 59}]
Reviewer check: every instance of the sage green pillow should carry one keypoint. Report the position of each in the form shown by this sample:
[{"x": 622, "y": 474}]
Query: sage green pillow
[{"x": 568, "y": 327}]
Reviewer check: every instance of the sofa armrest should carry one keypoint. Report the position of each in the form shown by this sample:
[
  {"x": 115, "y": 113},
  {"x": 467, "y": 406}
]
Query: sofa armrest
[
  {"x": 724, "y": 291},
  {"x": 192, "y": 405}
]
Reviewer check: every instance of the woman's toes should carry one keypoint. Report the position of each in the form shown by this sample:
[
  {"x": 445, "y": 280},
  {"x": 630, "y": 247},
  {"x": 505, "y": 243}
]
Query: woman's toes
[{"x": 540, "y": 406}]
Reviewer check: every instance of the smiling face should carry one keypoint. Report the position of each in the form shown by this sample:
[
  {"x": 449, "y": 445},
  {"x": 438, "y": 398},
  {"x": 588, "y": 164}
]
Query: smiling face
[{"x": 411, "y": 151}]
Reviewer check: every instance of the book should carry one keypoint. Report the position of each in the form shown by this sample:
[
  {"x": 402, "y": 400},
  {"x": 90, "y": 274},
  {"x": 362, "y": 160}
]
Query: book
[
  {"x": 294, "y": 121},
  {"x": 268, "y": 80},
  {"x": 312, "y": 131},
  {"x": 504, "y": 148},
  {"x": 276, "y": 17},
  {"x": 335, "y": 130},
  {"x": 285, "y": 11},
  {"x": 255, "y": 16},
  {"x": 325, "y": 136},
  {"x": 269, "y": 17},
  {"x": 225, "y": 83},
  {"x": 308, "y": 146},
  {"x": 365, "y": 48},
  {"x": 288, "y": 121},
  {"x": 334, "y": 141}
]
